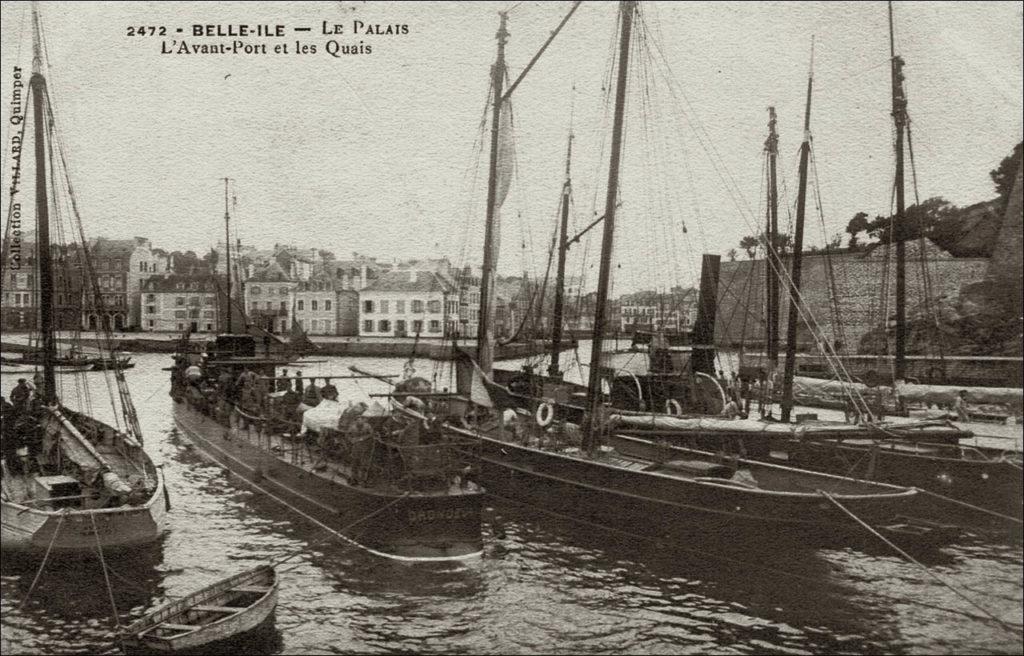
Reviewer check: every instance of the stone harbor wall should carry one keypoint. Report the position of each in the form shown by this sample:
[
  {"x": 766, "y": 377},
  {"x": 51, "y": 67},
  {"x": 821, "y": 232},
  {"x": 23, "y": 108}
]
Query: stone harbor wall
[{"x": 859, "y": 280}]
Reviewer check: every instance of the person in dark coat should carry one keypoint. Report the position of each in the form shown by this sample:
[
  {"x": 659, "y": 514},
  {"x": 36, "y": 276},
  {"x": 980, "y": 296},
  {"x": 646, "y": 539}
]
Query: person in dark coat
[{"x": 20, "y": 395}]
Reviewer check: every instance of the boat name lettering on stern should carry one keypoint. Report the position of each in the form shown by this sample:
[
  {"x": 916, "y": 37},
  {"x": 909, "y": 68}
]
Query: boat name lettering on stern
[{"x": 433, "y": 515}]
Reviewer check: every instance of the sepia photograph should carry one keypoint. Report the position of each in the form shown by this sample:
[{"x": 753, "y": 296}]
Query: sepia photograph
[{"x": 511, "y": 327}]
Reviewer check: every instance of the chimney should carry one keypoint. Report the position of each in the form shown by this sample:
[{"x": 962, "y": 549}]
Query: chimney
[{"x": 412, "y": 275}]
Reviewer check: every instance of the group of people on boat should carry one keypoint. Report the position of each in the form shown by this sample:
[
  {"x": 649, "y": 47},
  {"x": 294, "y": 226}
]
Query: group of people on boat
[{"x": 20, "y": 431}]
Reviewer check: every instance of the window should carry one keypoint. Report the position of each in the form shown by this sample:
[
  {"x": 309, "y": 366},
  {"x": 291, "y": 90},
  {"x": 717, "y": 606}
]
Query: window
[
  {"x": 150, "y": 298},
  {"x": 255, "y": 305},
  {"x": 316, "y": 325},
  {"x": 194, "y": 301},
  {"x": 367, "y": 326},
  {"x": 181, "y": 326},
  {"x": 270, "y": 305},
  {"x": 327, "y": 305},
  {"x": 417, "y": 307},
  {"x": 435, "y": 326},
  {"x": 368, "y": 307},
  {"x": 312, "y": 305},
  {"x": 208, "y": 300},
  {"x": 283, "y": 306},
  {"x": 400, "y": 326},
  {"x": 302, "y": 305},
  {"x": 209, "y": 326},
  {"x": 208, "y": 314},
  {"x": 384, "y": 307},
  {"x": 327, "y": 327},
  {"x": 180, "y": 300},
  {"x": 384, "y": 326},
  {"x": 150, "y": 323},
  {"x": 254, "y": 290},
  {"x": 180, "y": 314},
  {"x": 150, "y": 309},
  {"x": 434, "y": 307},
  {"x": 400, "y": 307},
  {"x": 417, "y": 327}
]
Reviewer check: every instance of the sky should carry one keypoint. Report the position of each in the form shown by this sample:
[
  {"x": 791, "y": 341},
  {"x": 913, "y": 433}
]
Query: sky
[{"x": 381, "y": 153}]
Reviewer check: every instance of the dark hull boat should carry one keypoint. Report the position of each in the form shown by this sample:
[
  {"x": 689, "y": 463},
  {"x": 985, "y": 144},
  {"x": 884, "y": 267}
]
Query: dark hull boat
[
  {"x": 384, "y": 484},
  {"x": 660, "y": 491}
]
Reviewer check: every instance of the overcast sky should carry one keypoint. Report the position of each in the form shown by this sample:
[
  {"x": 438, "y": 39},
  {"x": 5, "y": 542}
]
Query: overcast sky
[{"x": 376, "y": 153}]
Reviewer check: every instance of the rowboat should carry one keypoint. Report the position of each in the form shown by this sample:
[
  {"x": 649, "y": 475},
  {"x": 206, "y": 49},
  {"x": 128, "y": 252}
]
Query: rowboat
[{"x": 220, "y": 616}]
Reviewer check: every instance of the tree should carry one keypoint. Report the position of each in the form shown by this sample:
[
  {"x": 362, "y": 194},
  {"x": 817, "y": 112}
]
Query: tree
[
  {"x": 857, "y": 225},
  {"x": 187, "y": 262},
  {"x": 1004, "y": 175},
  {"x": 749, "y": 244},
  {"x": 732, "y": 254}
]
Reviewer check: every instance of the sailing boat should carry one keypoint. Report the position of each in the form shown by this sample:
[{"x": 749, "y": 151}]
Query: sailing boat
[
  {"x": 987, "y": 477},
  {"x": 71, "y": 483},
  {"x": 635, "y": 484},
  {"x": 681, "y": 400}
]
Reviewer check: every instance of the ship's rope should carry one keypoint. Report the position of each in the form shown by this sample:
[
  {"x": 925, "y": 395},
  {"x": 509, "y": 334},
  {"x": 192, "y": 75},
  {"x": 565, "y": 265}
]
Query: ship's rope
[
  {"x": 717, "y": 555},
  {"x": 106, "y": 578},
  {"x": 1003, "y": 624},
  {"x": 46, "y": 557}
]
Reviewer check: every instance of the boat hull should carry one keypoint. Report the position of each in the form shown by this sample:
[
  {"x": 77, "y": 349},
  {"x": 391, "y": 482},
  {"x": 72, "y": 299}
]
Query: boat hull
[
  {"x": 664, "y": 507},
  {"x": 414, "y": 527},
  {"x": 27, "y": 531},
  {"x": 993, "y": 484}
]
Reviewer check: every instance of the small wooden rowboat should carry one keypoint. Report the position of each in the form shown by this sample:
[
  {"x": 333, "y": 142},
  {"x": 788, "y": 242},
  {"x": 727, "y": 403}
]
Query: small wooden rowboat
[{"x": 216, "y": 616}]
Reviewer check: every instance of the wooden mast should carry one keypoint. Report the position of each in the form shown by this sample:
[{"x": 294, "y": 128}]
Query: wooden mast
[
  {"x": 772, "y": 261},
  {"x": 227, "y": 252},
  {"x": 485, "y": 329},
  {"x": 798, "y": 245},
  {"x": 37, "y": 87},
  {"x": 899, "y": 117},
  {"x": 594, "y": 400},
  {"x": 563, "y": 247}
]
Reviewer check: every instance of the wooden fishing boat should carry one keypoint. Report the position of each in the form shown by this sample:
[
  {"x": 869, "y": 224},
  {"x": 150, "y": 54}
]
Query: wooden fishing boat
[
  {"x": 584, "y": 470},
  {"x": 71, "y": 483},
  {"x": 218, "y": 617}
]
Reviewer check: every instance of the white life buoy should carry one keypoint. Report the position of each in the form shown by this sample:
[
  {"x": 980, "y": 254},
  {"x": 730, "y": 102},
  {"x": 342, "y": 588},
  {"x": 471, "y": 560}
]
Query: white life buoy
[
  {"x": 673, "y": 407},
  {"x": 545, "y": 414}
]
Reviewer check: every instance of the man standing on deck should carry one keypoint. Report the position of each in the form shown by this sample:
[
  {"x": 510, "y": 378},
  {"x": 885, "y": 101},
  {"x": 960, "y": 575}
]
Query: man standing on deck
[
  {"x": 960, "y": 406},
  {"x": 20, "y": 395}
]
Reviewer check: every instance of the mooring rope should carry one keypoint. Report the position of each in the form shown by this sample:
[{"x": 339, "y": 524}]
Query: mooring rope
[
  {"x": 736, "y": 561},
  {"x": 42, "y": 565},
  {"x": 106, "y": 578},
  {"x": 1005, "y": 625},
  {"x": 969, "y": 505}
]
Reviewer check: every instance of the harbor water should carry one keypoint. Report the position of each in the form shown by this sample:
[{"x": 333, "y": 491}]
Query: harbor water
[{"x": 543, "y": 584}]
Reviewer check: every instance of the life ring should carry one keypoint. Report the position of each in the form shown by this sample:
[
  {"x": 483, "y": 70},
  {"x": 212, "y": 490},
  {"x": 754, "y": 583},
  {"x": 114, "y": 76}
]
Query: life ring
[
  {"x": 673, "y": 407},
  {"x": 545, "y": 414}
]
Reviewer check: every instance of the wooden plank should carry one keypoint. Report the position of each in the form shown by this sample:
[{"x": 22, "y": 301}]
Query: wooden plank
[
  {"x": 250, "y": 588},
  {"x": 177, "y": 627},
  {"x": 218, "y": 609}
]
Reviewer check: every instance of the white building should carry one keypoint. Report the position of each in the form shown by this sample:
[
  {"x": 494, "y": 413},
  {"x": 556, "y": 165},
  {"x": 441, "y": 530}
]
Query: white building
[
  {"x": 407, "y": 303},
  {"x": 176, "y": 302}
]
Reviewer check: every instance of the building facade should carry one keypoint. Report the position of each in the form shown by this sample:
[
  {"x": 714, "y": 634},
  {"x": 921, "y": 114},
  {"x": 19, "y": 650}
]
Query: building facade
[
  {"x": 322, "y": 307},
  {"x": 268, "y": 295},
  {"x": 178, "y": 302},
  {"x": 407, "y": 303}
]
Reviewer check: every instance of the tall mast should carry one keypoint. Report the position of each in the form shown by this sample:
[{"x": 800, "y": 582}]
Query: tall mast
[
  {"x": 594, "y": 401},
  {"x": 771, "y": 146},
  {"x": 485, "y": 327},
  {"x": 798, "y": 246},
  {"x": 563, "y": 238},
  {"x": 37, "y": 88},
  {"x": 227, "y": 251},
  {"x": 899, "y": 117}
]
